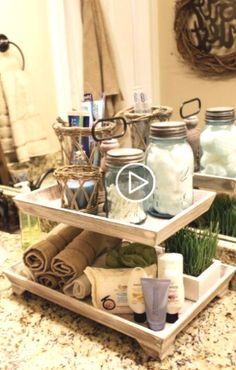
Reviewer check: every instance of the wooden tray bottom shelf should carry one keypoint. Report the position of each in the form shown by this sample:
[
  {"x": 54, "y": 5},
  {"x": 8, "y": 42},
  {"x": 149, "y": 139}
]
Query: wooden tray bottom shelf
[{"x": 156, "y": 344}]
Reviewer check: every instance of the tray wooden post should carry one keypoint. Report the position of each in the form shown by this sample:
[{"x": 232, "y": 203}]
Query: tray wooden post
[{"x": 158, "y": 351}]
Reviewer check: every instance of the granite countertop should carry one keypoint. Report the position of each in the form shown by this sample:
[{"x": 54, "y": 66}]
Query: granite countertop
[{"x": 36, "y": 334}]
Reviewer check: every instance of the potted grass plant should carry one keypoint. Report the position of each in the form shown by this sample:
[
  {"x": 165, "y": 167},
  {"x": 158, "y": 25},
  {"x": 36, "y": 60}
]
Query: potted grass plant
[
  {"x": 201, "y": 271},
  {"x": 222, "y": 214}
]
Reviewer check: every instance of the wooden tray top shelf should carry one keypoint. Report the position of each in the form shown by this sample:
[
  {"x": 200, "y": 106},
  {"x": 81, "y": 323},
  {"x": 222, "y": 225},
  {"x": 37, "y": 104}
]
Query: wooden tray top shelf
[{"x": 45, "y": 203}]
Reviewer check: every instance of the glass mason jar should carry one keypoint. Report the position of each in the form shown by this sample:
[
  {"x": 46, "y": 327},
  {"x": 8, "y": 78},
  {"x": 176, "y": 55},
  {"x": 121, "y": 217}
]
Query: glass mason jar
[
  {"x": 170, "y": 157},
  {"x": 119, "y": 207},
  {"x": 218, "y": 142}
]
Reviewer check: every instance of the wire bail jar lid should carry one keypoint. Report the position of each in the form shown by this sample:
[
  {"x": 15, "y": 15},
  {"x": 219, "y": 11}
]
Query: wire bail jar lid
[
  {"x": 124, "y": 156},
  {"x": 220, "y": 114},
  {"x": 169, "y": 130}
]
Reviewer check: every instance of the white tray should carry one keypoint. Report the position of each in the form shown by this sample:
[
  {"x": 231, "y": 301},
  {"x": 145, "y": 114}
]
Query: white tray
[
  {"x": 46, "y": 203},
  {"x": 154, "y": 343}
]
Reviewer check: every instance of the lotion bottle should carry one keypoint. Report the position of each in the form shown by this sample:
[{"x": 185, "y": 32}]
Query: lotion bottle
[
  {"x": 135, "y": 294},
  {"x": 170, "y": 266}
]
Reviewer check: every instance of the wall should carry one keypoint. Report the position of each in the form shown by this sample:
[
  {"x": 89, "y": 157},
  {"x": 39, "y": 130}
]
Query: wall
[
  {"x": 178, "y": 82},
  {"x": 26, "y": 23}
]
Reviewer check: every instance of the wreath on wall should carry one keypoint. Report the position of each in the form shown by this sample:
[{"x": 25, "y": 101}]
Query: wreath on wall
[{"x": 206, "y": 35}]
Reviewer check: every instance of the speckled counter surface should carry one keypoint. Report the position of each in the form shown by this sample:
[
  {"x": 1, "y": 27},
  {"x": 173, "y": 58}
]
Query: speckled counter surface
[{"x": 36, "y": 334}]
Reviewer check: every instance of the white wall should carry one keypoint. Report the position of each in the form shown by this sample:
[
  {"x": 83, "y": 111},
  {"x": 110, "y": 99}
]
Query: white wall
[{"x": 26, "y": 23}]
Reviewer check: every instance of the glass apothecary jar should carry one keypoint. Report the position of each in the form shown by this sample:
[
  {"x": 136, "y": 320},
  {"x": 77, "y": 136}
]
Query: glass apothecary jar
[
  {"x": 218, "y": 142},
  {"x": 170, "y": 157},
  {"x": 120, "y": 203}
]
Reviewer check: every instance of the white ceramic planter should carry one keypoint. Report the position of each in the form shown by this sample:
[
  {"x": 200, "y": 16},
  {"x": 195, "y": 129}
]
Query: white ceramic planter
[{"x": 195, "y": 287}]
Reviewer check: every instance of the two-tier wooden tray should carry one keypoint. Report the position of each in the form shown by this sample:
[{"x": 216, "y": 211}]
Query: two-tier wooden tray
[{"x": 45, "y": 203}]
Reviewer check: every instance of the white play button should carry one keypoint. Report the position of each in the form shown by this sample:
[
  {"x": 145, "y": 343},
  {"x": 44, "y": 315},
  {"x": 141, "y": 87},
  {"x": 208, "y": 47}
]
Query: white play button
[{"x": 135, "y": 182}]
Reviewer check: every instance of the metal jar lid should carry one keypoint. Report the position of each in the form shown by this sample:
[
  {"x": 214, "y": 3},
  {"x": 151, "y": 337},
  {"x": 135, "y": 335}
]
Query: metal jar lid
[
  {"x": 220, "y": 114},
  {"x": 169, "y": 130},
  {"x": 124, "y": 156}
]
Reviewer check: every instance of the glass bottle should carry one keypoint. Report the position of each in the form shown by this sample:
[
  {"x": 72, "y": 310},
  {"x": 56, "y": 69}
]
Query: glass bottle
[
  {"x": 29, "y": 225},
  {"x": 170, "y": 157},
  {"x": 117, "y": 206},
  {"x": 218, "y": 142}
]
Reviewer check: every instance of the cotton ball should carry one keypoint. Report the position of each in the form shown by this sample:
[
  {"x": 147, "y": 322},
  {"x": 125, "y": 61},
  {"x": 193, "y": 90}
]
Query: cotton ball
[
  {"x": 182, "y": 155},
  {"x": 153, "y": 155},
  {"x": 232, "y": 159},
  {"x": 206, "y": 140},
  {"x": 178, "y": 152},
  {"x": 157, "y": 157},
  {"x": 231, "y": 170},
  {"x": 214, "y": 169},
  {"x": 150, "y": 159},
  {"x": 231, "y": 165},
  {"x": 162, "y": 167},
  {"x": 166, "y": 181},
  {"x": 208, "y": 158},
  {"x": 220, "y": 170},
  {"x": 223, "y": 141},
  {"x": 187, "y": 185},
  {"x": 183, "y": 172}
]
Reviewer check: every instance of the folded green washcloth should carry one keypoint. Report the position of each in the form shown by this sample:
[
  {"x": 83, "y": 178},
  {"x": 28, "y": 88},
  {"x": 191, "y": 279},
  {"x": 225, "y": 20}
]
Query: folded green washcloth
[{"x": 131, "y": 255}]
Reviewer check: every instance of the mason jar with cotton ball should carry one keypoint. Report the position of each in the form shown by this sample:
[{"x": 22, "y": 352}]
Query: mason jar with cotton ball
[
  {"x": 117, "y": 174},
  {"x": 218, "y": 142},
  {"x": 170, "y": 157}
]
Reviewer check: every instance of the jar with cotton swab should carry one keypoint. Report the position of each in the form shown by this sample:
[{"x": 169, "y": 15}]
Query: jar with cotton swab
[{"x": 122, "y": 204}]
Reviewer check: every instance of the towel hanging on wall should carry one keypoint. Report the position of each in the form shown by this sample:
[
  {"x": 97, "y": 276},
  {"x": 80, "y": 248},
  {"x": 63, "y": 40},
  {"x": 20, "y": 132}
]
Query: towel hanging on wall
[
  {"x": 29, "y": 139},
  {"x": 99, "y": 68}
]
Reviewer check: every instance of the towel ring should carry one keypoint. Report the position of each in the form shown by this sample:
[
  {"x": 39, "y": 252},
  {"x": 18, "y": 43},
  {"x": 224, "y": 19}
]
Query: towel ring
[{"x": 4, "y": 46}]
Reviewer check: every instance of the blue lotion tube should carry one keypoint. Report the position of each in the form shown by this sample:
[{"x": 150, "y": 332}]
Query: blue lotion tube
[{"x": 155, "y": 292}]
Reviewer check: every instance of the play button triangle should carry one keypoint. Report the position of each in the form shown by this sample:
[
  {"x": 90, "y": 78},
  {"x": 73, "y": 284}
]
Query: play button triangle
[{"x": 132, "y": 177}]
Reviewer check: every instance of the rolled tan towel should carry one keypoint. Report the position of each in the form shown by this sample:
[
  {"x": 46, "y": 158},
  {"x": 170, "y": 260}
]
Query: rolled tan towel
[
  {"x": 38, "y": 257},
  {"x": 80, "y": 287},
  {"x": 48, "y": 279},
  {"x": 82, "y": 252}
]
